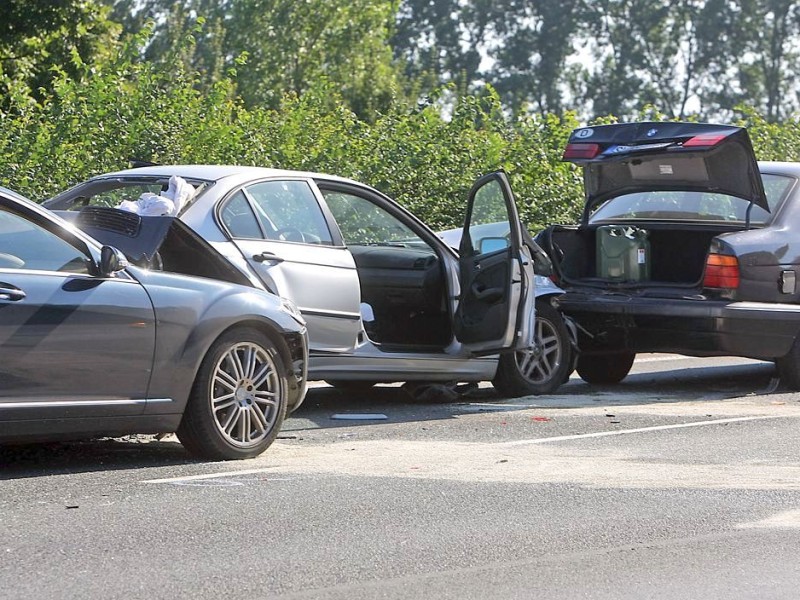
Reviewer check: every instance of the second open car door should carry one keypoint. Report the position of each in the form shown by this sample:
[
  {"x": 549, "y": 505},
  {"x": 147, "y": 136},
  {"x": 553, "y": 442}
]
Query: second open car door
[{"x": 495, "y": 311}]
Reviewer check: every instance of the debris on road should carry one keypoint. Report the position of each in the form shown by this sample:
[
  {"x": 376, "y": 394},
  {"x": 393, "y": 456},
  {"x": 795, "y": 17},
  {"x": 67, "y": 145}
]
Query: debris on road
[
  {"x": 437, "y": 392},
  {"x": 359, "y": 417}
]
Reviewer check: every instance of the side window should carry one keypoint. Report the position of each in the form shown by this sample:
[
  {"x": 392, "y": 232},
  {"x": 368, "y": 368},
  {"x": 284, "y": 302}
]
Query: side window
[
  {"x": 239, "y": 219},
  {"x": 489, "y": 211},
  {"x": 362, "y": 222},
  {"x": 26, "y": 245},
  {"x": 289, "y": 211},
  {"x": 776, "y": 187}
]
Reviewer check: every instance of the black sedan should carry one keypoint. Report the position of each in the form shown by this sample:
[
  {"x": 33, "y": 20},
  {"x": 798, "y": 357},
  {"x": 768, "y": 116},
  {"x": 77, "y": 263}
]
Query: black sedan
[
  {"x": 686, "y": 245},
  {"x": 91, "y": 346}
]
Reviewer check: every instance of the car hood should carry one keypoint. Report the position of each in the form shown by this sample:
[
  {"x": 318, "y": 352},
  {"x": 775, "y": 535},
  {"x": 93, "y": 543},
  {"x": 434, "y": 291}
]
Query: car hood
[{"x": 650, "y": 156}]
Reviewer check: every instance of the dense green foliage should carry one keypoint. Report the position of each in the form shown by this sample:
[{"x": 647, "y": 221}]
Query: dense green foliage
[
  {"x": 276, "y": 46},
  {"x": 38, "y": 40},
  {"x": 199, "y": 84},
  {"x": 133, "y": 109}
]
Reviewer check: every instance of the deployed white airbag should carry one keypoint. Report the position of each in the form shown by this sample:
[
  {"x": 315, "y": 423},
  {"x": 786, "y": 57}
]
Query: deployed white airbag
[{"x": 167, "y": 203}]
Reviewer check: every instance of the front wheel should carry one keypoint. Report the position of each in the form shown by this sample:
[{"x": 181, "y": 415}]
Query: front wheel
[
  {"x": 543, "y": 369},
  {"x": 238, "y": 401},
  {"x": 605, "y": 368}
]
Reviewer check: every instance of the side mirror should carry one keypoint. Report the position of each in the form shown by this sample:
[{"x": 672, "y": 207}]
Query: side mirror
[
  {"x": 488, "y": 245},
  {"x": 111, "y": 261}
]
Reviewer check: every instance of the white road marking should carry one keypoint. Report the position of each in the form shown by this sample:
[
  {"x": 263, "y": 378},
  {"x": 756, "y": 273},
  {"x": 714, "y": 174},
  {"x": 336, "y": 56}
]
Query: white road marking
[
  {"x": 446, "y": 459},
  {"x": 211, "y": 475},
  {"x": 484, "y": 406},
  {"x": 670, "y": 357},
  {"x": 789, "y": 519},
  {"x": 598, "y": 434},
  {"x": 359, "y": 417}
]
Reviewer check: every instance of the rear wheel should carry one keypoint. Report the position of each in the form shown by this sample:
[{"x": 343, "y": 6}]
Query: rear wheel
[
  {"x": 605, "y": 368},
  {"x": 238, "y": 401},
  {"x": 544, "y": 369}
]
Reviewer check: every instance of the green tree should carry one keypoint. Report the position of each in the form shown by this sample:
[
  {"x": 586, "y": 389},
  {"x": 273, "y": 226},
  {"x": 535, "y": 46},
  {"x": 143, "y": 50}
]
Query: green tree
[
  {"x": 755, "y": 53},
  {"x": 278, "y": 46},
  {"x": 534, "y": 40},
  {"x": 40, "y": 38},
  {"x": 443, "y": 41}
]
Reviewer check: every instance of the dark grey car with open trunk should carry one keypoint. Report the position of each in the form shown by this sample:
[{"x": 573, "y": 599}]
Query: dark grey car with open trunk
[{"x": 686, "y": 245}]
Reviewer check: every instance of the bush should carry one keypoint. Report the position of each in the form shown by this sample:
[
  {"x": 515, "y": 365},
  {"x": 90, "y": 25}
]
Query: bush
[{"x": 127, "y": 109}]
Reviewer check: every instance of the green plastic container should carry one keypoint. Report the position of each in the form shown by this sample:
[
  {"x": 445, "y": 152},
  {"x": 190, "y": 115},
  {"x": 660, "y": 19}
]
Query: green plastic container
[{"x": 623, "y": 253}]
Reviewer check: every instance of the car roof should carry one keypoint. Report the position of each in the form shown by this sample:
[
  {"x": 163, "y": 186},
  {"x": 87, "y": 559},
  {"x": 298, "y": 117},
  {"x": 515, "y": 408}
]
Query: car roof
[
  {"x": 218, "y": 172},
  {"x": 15, "y": 195},
  {"x": 774, "y": 166}
]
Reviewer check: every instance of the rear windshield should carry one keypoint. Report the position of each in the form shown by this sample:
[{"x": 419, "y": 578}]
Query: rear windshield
[
  {"x": 111, "y": 192},
  {"x": 694, "y": 206}
]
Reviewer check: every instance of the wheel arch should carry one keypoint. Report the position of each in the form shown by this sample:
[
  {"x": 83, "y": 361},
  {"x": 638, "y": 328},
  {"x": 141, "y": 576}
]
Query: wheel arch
[
  {"x": 289, "y": 345},
  {"x": 187, "y": 334}
]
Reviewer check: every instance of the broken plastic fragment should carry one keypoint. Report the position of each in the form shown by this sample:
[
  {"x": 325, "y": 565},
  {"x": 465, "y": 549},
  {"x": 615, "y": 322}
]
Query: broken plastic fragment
[{"x": 359, "y": 416}]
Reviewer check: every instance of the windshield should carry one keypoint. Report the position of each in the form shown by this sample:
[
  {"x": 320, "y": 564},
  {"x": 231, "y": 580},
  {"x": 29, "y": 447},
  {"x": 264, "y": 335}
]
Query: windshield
[{"x": 693, "y": 206}]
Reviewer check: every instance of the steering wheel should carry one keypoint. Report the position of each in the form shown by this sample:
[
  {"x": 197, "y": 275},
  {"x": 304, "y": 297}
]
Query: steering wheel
[{"x": 290, "y": 234}]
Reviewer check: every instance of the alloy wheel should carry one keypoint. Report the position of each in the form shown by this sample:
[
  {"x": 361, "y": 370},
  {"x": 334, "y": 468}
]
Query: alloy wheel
[
  {"x": 539, "y": 365},
  {"x": 245, "y": 392}
]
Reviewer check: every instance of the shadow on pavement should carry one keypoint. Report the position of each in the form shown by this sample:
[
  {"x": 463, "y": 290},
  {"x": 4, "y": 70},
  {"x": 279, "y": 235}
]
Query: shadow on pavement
[
  {"x": 695, "y": 384},
  {"x": 132, "y": 452}
]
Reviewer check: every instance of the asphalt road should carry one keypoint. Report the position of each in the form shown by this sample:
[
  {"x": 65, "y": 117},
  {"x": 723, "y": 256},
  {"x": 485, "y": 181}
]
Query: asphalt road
[{"x": 681, "y": 482}]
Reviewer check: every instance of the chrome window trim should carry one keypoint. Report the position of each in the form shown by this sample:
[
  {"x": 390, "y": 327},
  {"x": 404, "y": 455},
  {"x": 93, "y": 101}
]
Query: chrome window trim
[{"x": 76, "y": 403}]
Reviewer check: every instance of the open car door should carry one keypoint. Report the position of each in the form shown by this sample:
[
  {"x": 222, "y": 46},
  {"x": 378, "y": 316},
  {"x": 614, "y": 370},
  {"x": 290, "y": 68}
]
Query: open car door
[{"x": 496, "y": 305}]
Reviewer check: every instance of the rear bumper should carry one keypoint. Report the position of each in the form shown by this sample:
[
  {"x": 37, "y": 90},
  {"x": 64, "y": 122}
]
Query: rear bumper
[{"x": 697, "y": 327}]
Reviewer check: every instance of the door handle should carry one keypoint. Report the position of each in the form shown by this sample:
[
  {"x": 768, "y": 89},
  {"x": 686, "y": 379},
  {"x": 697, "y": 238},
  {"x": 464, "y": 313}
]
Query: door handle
[
  {"x": 10, "y": 292},
  {"x": 267, "y": 257},
  {"x": 487, "y": 294}
]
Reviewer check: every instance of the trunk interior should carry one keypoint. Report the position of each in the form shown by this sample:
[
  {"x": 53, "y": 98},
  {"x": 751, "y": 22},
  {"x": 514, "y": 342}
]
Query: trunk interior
[{"x": 633, "y": 256}]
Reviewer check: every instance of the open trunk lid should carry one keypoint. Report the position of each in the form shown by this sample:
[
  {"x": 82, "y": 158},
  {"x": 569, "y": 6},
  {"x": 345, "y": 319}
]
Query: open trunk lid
[
  {"x": 650, "y": 156},
  {"x": 164, "y": 243}
]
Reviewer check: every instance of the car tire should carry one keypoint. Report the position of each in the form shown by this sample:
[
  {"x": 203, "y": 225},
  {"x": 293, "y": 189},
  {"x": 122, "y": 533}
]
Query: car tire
[
  {"x": 543, "y": 371},
  {"x": 350, "y": 385},
  {"x": 238, "y": 400},
  {"x": 606, "y": 368}
]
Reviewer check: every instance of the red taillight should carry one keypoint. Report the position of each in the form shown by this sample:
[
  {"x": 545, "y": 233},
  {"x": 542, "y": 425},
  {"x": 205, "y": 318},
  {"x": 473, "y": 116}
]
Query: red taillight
[
  {"x": 722, "y": 271},
  {"x": 704, "y": 140},
  {"x": 577, "y": 151}
]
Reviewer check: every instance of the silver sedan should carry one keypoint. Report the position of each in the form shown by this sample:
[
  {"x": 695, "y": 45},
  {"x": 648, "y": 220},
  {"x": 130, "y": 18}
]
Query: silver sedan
[{"x": 385, "y": 299}]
